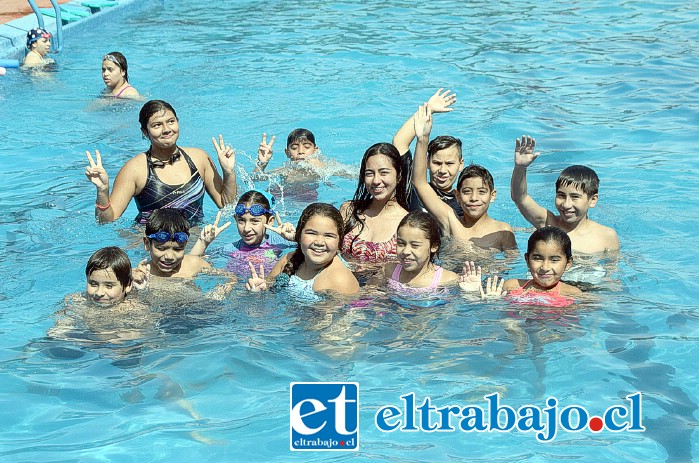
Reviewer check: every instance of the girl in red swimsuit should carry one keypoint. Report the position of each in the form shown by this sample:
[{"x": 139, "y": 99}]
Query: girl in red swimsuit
[
  {"x": 379, "y": 204},
  {"x": 548, "y": 257}
]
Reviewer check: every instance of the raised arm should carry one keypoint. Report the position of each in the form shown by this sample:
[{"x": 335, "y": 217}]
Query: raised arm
[
  {"x": 524, "y": 156},
  {"x": 440, "y": 102},
  {"x": 108, "y": 207},
  {"x": 264, "y": 153},
  {"x": 434, "y": 205},
  {"x": 222, "y": 191}
]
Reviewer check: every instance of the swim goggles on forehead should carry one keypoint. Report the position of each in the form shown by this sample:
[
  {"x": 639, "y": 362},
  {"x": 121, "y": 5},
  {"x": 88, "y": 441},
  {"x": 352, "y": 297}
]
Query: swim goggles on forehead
[
  {"x": 111, "y": 58},
  {"x": 163, "y": 237},
  {"x": 255, "y": 210}
]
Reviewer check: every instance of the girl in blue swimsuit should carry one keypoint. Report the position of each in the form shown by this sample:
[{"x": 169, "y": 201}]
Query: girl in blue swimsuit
[{"x": 315, "y": 266}]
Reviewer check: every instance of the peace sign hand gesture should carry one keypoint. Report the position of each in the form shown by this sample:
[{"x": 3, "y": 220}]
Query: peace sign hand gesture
[
  {"x": 256, "y": 282},
  {"x": 210, "y": 232},
  {"x": 524, "y": 151},
  {"x": 285, "y": 230},
  {"x": 470, "y": 279},
  {"x": 95, "y": 172},
  {"x": 226, "y": 154},
  {"x": 264, "y": 152}
]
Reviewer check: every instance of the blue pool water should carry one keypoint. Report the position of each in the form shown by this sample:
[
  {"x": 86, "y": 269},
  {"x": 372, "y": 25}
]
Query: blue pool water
[{"x": 612, "y": 85}]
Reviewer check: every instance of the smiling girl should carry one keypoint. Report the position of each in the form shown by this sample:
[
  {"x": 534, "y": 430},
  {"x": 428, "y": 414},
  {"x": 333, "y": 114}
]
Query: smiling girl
[
  {"x": 548, "y": 257},
  {"x": 315, "y": 266},
  {"x": 371, "y": 218}
]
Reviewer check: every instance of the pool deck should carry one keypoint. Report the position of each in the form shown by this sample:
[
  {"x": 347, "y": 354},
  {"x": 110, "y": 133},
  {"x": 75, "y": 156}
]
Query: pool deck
[{"x": 17, "y": 17}]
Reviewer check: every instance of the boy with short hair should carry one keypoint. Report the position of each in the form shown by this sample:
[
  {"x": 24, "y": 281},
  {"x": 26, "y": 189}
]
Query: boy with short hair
[
  {"x": 444, "y": 158},
  {"x": 576, "y": 193},
  {"x": 300, "y": 146},
  {"x": 166, "y": 237},
  {"x": 475, "y": 190}
]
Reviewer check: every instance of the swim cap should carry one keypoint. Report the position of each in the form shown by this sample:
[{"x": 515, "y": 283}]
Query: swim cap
[{"x": 35, "y": 34}]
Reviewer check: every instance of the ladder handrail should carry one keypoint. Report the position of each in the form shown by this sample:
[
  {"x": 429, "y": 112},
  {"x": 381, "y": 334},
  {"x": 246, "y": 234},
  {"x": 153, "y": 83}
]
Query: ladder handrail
[{"x": 57, "y": 44}]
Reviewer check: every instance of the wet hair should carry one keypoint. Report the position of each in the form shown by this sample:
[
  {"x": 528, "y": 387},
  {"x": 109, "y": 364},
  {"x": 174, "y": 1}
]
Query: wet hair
[
  {"x": 153, "y": 107},
  {"x": 551, "y": 234},
  {"x": 114, "y": 259},
  {"x": 580, "y": 177},
  {"x": 316, "y": 209},
  {"x": 362, "y": 198},
  {"x": 476, "y": 171},
  {"x": 426, "y": 223},
  {"x": 299, "y": 135},
  {"x": 443, "y": 142},
  {"x": 169, "y": 220},
  {"x": 255, "y": 197},
  {"x": 121, "y": 62}
]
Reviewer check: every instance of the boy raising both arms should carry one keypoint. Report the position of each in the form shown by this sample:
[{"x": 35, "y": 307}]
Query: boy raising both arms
[
  {"x": 444, "y": 159},
  {"x": 474, "y": 192},
  {"x": 576, "y": 193}
]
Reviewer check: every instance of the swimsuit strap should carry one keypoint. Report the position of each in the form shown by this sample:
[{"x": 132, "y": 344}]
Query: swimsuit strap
[
  {"x": 396, "y": 272},
  {"x": 122, "y": 91},
  {"x": 437, "y": 277}
]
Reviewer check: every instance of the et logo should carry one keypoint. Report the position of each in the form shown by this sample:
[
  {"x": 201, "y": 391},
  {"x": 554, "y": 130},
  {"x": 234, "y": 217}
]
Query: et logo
[{"x": 324, "y": 416}]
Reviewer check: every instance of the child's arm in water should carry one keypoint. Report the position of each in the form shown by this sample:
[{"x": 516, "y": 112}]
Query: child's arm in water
[
  {"x": 440, "y": 102},
  {"x": 208, "y": 234},
  {"x": 524, "y": 156},
  {"x": 337, "y": 278},
  {"x": 264, "y": 154}
]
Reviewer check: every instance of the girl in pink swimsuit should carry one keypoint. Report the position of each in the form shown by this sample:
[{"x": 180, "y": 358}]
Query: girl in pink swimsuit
[
  {"x": 371, "y": 218},
  {"x": 115, "y": 74},
  {"x": 417, "y": 244},
  {"x": 548, "y": 257}
]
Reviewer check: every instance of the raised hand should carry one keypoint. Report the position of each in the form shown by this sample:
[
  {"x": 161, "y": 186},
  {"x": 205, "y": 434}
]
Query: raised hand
[
  {"x": 493, "y": 288},
  {"x": 441, "y": 101},
  {"x": 285, "y": 230},
  {"x": 226, "y": 154},
  {"x": 524, "y": 151},
  {"x": 95, "y": 172},
  {"x": 256, "y": 282},
  {"x": 211, "y": 231},
  {"x": 470, "y": 279},
  {"x": 141, "y": 275},
  {"x": 264, "y": 152},
  {"x": 423, "y": 121}
]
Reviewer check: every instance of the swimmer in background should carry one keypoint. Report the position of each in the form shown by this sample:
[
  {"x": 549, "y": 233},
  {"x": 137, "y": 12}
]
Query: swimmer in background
[
  {"x": 444, "y": 157},
  {"x": 417, "y": 246},
  {"x": 106, "y": 311},
  {"x": 576, "y": 193},
  {"x": 549, "y": 255},
  {"x": 39, "y": 45},
  {"x": 315, "y": 267},
  {"x": 475, "y": 190},
  {"x": 115, "y": 74},
  {"x": 165, "y": 175},
  {"x": 254, "y": 218}
]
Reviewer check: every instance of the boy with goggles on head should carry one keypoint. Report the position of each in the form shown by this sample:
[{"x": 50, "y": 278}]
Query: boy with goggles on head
[
  {"x": 166, "y": 237},
  {"x": 254, "y": 217}
]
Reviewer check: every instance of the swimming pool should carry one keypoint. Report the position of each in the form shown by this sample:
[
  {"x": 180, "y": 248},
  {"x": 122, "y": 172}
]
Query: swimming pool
[{"x": 612, "y": 86}]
